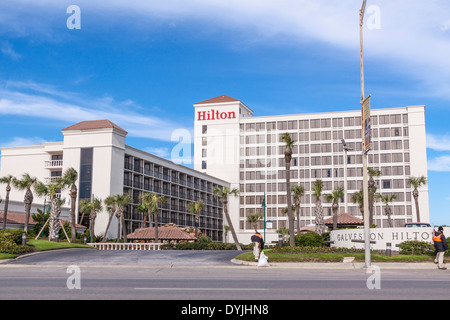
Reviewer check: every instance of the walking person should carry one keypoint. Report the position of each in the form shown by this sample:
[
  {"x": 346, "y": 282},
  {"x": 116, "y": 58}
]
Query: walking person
[
  {"x": 440, "y": 243},
  {"x": 258, "y": 245}
]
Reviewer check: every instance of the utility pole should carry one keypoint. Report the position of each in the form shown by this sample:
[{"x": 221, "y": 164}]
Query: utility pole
[{"x": 365, "y": 119}]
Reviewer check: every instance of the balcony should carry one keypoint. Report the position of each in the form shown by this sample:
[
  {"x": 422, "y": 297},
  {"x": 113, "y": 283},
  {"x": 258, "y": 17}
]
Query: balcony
[{"x": 53, "y": 164}]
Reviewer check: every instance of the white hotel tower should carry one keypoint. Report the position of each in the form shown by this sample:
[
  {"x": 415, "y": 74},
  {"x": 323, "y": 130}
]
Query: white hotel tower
[{"x": 248, "y": 152}]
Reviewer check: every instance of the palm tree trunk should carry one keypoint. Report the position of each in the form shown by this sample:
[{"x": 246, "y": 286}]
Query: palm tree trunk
[
  {"x": 124, "y": 228},
  {"x": 5, "y": 209},
  {"x": 319, "y": 217},
  {"x": 107, "y": 227},
  {"x": 28, "y": 201},
  {"x": 297, "y": 211},
  {"x": 416, "y": 200},
  {"x": 289, "y": 204},
  {"x": 73, "y": 199},
  {"x": 233, "y": 233},
  {"x": 156, "y": 227},
  {"x": 335, "y": 217}
]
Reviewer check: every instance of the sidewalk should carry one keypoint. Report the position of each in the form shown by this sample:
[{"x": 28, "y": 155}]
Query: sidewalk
[{"x": 340, "y": 265}]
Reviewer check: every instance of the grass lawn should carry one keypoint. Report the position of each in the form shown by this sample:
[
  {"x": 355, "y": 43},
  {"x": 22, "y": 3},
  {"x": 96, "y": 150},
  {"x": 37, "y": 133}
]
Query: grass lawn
[
  {"x": 43, "y": 245},
  {"x": 332, "y": 257}
]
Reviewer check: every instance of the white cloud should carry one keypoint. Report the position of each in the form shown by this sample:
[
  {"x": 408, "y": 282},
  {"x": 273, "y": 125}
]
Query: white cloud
[
  {"x": 8, "y": 50},
  {"x": 440, "y": 164},
  {"x": 413, "y": 34},
  {"x": 438, "y": 142},
  {"x": 23, "y": 141},
  {"x": 161, "y": 152},
  {"x": 44, "y": 101}
]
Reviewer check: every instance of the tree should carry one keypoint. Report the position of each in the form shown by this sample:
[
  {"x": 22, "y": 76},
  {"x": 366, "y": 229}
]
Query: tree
[
  {"x": 287, "y": 162},
  {"x": 222, "y": 194},
  {"x": 8, "y": 180},
  {"x": 298, "y": 192},
  {"x": 416, "y": 183},
  {"x": 143, "y": 208},
  {"x": 91, "y": 207},
  {"x": 253, "y": 219},
  {"x": 386, "y": 199},
  {"x": 26, "y": 183},
  {"x": 69, "y": 179},
  {"x": 372, "y": 189},
  {"x": 334, "y": 197},
  {"x": 318, "y": 210},
  {"x": 153, "y": 202},
  {"x": 51, "y": 190},
  {"x": 196, "y": 208},
  {"x": 121, "y": 201},
  {"x": 358, "y": 198},
  {"x": 111, "y": 208}
]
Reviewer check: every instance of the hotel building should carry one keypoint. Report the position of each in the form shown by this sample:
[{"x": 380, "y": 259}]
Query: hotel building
[
  {"x": 107, "y": 166},
  {"x": 247, "y": 151}
]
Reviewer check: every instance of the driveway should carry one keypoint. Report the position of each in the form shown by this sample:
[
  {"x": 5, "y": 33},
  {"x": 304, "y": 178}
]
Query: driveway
[{"x": 130, "y": 258}]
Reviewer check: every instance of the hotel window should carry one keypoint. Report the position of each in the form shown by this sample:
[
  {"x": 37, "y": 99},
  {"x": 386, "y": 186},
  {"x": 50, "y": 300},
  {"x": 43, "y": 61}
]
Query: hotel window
[
  {"x": 386, "y": 184},
  {"x": 203, "y": 164},
  {"x": 204, "y": 153},
  {"x": 204, "y": 129}
]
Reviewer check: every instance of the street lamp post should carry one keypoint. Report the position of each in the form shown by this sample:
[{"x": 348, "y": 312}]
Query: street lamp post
[{"x": 365, "y": 149}]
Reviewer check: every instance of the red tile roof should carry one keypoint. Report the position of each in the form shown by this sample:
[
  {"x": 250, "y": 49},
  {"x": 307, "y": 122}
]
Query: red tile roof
[
  {"x": 345, "y": 219},
  {"x": 164, "y": 233},
  {"x": 93, "y": 124},
  {"x": 19, "y": 218},
  {"x": 219, "y": 99}
]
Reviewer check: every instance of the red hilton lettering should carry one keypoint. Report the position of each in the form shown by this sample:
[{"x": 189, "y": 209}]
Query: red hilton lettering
[{"x": 215, "y": 115}]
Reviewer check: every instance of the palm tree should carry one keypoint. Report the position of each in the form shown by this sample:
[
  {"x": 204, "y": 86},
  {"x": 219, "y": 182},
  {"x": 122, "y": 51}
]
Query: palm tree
[
  {"x": 416, "y": 182},
  {"x": 143, "y": 208},
  {"x": 196, "y": 207},
  {"x": 298, "y": 192},
  {"x": 26, "y": 183},
  {"x": 287, "y": 162},
  {"x": 121, "y": 201},
  {"x": 386, "y": 199},
  {"x": 358, "y": 198},
  {"x": 253, "y": 219},
  {"x": 372, "y": 189},
  {"x": 227, "y": 229},
  {"x": 111, "y": 207},
  {"x": 91, "y": 207},
  {"x": 69, "y": 179},
  {"x": 222, "y": 194},
  {"x": 334, "y": 197},
  {"x": 8, "y": 180},
  {"x": 51, "y": 190},
  {"x": 318, "y": 210},
  {"x": 153, "y": 201}
]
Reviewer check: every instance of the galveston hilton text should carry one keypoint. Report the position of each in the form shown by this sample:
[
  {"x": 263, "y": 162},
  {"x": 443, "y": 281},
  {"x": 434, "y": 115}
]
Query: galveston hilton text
[
  {"x": 402, "y": 236},
  {"x": 230, "y": 309}
]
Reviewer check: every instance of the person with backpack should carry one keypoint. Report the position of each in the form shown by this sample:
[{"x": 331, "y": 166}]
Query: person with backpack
[{"x": 440, "y": 243}]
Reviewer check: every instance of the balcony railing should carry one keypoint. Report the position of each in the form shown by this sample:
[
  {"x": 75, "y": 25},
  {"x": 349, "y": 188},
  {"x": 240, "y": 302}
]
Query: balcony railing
[{"x": 53, "y": 164}]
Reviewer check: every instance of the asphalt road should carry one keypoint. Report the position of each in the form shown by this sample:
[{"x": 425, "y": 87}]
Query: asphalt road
[{"x": 195, "y": 278}]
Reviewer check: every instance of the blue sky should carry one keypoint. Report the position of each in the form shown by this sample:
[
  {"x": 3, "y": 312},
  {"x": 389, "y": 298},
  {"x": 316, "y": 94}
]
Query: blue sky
[{"x": 143, "y": 64}]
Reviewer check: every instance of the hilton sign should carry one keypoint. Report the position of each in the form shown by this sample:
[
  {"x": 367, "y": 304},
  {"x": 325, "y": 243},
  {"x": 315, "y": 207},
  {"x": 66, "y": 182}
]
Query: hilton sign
[{"x": 215, "y": 115}]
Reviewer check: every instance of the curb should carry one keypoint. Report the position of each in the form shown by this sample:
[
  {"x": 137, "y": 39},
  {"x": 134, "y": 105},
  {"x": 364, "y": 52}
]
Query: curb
[{"x": 338, "y": 265}]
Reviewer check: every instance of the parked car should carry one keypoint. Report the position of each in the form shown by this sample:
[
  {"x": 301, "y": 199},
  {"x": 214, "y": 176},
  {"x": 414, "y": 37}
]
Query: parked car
[{"x": 417, "y": 224}]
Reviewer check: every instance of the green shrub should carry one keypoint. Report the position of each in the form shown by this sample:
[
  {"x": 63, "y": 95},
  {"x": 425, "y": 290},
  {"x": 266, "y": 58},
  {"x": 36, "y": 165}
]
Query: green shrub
[
  {"x": 415, "y": 247},
  {"x": 14, "y": 234},
  {"x": 8, "y": 242},
  {"x": 310, "y": 239}
]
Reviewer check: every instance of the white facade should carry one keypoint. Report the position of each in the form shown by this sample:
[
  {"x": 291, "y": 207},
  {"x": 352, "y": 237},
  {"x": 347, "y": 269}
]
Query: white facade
[
  {"x": 107, "y": 166},
  {"x": 247, "y": 151}
]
